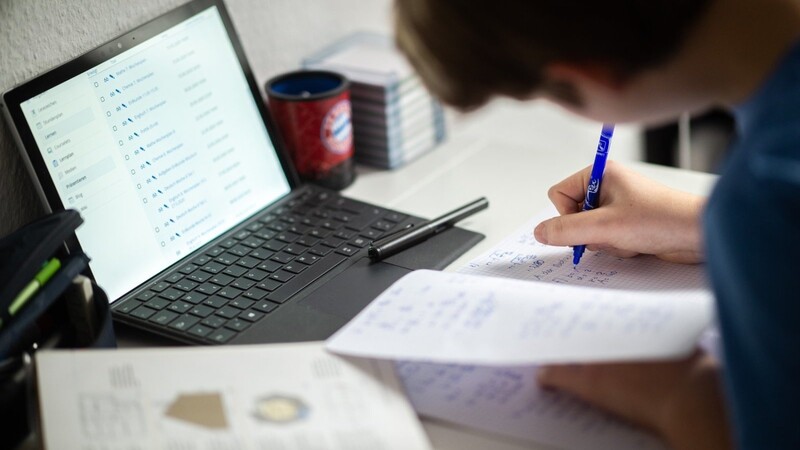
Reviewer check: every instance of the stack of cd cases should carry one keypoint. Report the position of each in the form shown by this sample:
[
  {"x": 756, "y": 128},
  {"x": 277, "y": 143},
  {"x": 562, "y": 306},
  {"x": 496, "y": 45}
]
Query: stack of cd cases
[{"x": 395, "y": 119}]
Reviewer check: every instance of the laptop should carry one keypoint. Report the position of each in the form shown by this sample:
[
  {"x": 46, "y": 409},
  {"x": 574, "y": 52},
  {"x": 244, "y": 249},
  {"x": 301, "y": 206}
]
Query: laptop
[{"x": 198, "y": 227}]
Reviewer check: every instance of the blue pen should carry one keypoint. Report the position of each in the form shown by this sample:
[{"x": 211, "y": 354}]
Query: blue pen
[{"x": 592, "y": 199}]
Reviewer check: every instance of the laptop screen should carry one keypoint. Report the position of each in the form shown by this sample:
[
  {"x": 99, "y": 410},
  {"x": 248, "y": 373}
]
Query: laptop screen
[{"x": 160, "y": 148}]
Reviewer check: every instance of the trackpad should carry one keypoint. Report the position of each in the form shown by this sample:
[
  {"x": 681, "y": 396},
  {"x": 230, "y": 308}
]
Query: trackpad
[{"x": 349, "y": 292}]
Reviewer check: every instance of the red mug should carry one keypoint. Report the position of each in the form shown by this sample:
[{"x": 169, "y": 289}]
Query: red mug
[{"x": 313, "y": 114}]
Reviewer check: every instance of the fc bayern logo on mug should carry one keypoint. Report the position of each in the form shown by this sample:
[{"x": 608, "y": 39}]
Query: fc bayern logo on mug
[{"x": 337, "y": 128}]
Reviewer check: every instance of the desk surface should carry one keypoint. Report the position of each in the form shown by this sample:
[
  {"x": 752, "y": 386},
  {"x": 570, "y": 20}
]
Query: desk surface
[{"x": 510, "y": 153}]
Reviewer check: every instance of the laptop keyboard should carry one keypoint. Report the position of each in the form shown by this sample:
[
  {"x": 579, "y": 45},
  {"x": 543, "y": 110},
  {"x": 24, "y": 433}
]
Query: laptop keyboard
[{"x": 255, "y": 269}]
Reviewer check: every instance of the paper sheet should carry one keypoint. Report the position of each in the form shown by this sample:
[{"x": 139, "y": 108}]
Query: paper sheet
[
  {"x": 507, "y": 401},
  {"x": 458, "y": 318},
  {"x": 289, "y": 396}
]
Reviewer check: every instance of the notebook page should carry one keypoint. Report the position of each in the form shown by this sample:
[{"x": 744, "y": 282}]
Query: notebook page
[
  {"x": 459, "y": 318},
  {"x": 507, "y": 401}
]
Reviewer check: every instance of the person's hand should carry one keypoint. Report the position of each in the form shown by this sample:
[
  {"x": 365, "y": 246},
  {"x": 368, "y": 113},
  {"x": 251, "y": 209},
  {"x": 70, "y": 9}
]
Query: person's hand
[
  {"x": 636, "y": 215},
  {"x": 681, "y": 401}
]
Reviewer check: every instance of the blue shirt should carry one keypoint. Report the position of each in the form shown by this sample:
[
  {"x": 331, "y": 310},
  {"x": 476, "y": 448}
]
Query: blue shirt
[{"x": 752, "y": 238}]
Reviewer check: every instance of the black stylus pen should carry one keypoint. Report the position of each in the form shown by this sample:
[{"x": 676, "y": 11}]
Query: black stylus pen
[{"x": 397, "y": 242}]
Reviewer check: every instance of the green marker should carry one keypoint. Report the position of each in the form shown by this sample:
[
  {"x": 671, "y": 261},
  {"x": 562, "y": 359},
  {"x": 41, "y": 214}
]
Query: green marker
[{"x": 47, "y": 272}]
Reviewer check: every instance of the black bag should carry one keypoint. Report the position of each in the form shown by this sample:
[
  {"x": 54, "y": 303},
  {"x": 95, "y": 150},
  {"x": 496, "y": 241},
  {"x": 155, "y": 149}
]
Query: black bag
[{"x": 48, "y": 318}]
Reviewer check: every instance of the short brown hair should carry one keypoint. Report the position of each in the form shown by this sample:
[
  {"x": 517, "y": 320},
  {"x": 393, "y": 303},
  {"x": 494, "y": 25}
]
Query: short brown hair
[{"x": 467, "y": 51}]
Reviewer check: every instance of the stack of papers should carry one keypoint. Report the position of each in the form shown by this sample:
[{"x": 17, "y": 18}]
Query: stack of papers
[
  {"x": 467, "y": 345},
  {"x": 395, "y": 120}
]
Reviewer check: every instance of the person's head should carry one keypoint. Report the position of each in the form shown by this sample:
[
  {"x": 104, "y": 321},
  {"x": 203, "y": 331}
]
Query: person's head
[{"x": 580, "y": 54}]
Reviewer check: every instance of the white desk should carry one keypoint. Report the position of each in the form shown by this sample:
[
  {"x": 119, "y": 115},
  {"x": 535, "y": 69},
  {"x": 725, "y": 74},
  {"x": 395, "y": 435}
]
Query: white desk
[{"x": 511, "y": 153}]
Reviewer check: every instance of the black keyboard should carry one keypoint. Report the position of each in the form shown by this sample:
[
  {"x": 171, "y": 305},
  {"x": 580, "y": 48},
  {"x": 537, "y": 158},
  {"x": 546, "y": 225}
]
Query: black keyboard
[{"x": 257, "y": 267}]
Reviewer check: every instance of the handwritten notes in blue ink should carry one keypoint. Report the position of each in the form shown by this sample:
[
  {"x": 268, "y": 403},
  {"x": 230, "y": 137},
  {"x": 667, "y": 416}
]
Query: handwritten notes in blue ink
[
  {"x": 508, "y": 401},
  {"x": 521, "y": 257},
  {"x": 467, "y": 319}
]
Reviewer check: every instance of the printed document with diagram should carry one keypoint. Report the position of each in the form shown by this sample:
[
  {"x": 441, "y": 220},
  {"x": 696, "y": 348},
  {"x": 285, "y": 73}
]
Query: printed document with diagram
[{"x": 287, "y": 396}]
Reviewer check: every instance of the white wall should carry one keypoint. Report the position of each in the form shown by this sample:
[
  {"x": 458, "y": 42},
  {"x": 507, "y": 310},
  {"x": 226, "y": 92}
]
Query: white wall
[{"x": 36, "y": 35}]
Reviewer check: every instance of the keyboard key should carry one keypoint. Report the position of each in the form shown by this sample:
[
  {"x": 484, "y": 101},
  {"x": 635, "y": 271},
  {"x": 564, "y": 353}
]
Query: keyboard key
[
  {"x": 359, "y": 242},
  {"x": 235, "y": 271},
  {"x": 274, "y": 245},
  {"x": 221, "y": 335},
  {"x": 320, "y": 250},
  {"x": 184, "y": 322},
  {"x": 194, "y": 297},
  {"x": 269, "y": 285},
  {"x": 163, "y": 317},
  {"x": 382, "y": 225},
  {"x": 200, "y": 330},
  {"x": 277, "y": 226},
  {"x": 344, "y": 234},
  {"x": 146, "y": 295},
  {"x": 318, "y": 233},
  {"x": 201, "y": 260},
  {"x": 270, "y": 266},
  {"x": 342, "y": 217},
  {"x": 347, "y": 250},
  {"x": 213, "y": 321},
  {"x": 261, "y": 254},
  {"x": 255, "y": 294},
  {"x": 282, "y": 276},
  {"x": 228, "y": 243},
  {"x": 265, "y": 307},
  {"x": 253, "y": 242},
  {"x": 251, "y": 315},
  {"x": 256, "y": 274},
  {"x": 228, "y": 312},
  {"x": 308, "y": 241},
  {"x": 160, "y": 286},
  {"x": 240, "y": 250},
  {"x": 267, "y": 218},
  {"x": 255, "y": 226},
  {"x": 227, "y": 259},
  {"x": 248, "y": 262},
  {"x": 157, "y": 303},
  {"x": 143, "y": 312},
  {"x": 282, "y": 257},
  {"x": 242, "y": 303},
  {"x": 242, "y": 283},
  {"x": 295, "y": 267},
  {"x": 180, "y": 307},
  {"x": 265, "y": 234},
  {"x": 208, "y": 288},
  {"x": 171, "y": 294},
  {"x": 332, "y": 242},
  {"x": 307, "y": 258},
  {"x": 199, "y": 276},
  {"x": 128, "y": 306},
  {"x": 371, "y": 234},
  {"x": 173, "y": 277},
  {"x": 215, "y": 302},
  {"x": 213, "y": 267},
  {"x": 295, "y": 249},
  {"x": 216, "y": 251},
  {"x": 229, "y": 292},
  {"x": 237, "y": 325},
  {"x": 201, "y": 311},
  {"x": 187, "y": 269},
  {"x": 186, "y": 285},
  {"x": 395, "y": 217},
  {"x": 241, "y": 234},
  {"x": 287, "y": 237},
  {"x": 221, "y": 279},
  {"x": 330, "y": 225}
]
